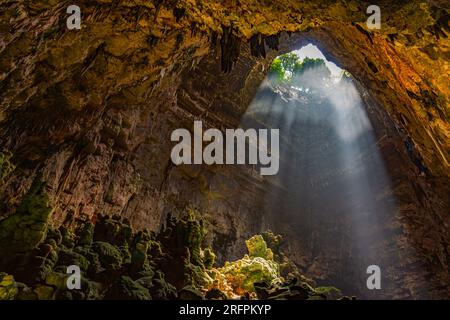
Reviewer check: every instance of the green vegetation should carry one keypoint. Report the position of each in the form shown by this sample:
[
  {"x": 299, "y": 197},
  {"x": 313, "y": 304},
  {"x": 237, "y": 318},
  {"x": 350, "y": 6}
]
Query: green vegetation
[
  {"x": 237, "y": 277},
  {"x": 287, "y": 67},
  {"x": 117, "y": 262},
  {"x": 27, "y": 228},
  {"x": 7, "y": 287},
  {"x": 329, "y": 292},
  {"x": 6, "y": 166},
  {"x": 109, "y": 256}
]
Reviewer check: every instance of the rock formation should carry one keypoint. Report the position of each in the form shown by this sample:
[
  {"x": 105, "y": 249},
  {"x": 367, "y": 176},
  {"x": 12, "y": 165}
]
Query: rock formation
[{"x": 89, "y": 112}]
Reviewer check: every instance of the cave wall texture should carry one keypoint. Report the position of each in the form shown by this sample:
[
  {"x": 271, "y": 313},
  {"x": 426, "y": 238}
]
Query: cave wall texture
[{"x": 92, "y": 110}]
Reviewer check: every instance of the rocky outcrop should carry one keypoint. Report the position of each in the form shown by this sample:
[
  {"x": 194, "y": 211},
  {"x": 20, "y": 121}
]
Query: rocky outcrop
[
  {"x": 120, "y": 263},
  {"x": 91, "y": 112}
]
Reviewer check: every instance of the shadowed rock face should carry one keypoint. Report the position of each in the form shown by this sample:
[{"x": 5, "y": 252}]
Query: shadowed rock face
[{"x": 93, "y": 110}]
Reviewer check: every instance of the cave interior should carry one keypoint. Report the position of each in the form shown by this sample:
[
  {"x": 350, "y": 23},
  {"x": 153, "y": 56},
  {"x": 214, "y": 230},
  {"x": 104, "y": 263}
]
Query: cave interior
[{"x": 85, "y": 123}]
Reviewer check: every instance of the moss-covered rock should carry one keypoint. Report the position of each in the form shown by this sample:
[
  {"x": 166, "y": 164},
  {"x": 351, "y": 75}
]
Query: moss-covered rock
[
  {"x": 161, "y": 289},
  {"x": 142, "y": 266},
  {"x": 110, "y": 256},
  {"x": 191, "y": 232},
  {"x": 291, "y": 289},
  {"x": 33, "y": 266},
  {"x": 146, "y": 282},
  {"x": 257, "y": 247},
  {"x": 238, "y": 277},
  {"x": 215, "y": 294},
  {"x": 92, "y": 257},
  {"x": 25, "y": 292},
  {"x": 139, "y": 255},
  {"x": 6, "y": 166},
  {"x": 67, "y": 237},
  {"x": 190, "y": 293},
  {"x": 125, "y": 251},
  {"x": 209, "y": 258},
  {"x": 127, "y": 289},
  {"x": 273, "y": 241},
  {"x": 86, "y": 234},
  {"x": 241, "y": 274},
  {"x": 54, "y": 234},
  {"x": 196, "y": 276},
  {"x": 44, "y": 292},
  {"x": 27, "y": 228},
  {"x": 57, "y": 280},
  {"x": 92, "y": 290},
  {"x": 330, "y": 293},
  {"x": 48, "y": 250},
  {"x": 8, "y": 288},
  {"x": 182, "y": 257},
  {"x": 112, "y": 230},
  {"x": 69, "y": 257},
  {"x": 36, "y": 269}
]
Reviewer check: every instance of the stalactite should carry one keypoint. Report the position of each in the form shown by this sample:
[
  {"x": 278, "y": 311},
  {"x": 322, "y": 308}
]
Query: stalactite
[
  {"x": 257, "y": 46},
  {"x": 230, "y": 46},
  {"x": 364, "y": 31},
  {"x": 272, "y": 42},
  {"x": 179, "y": 13}
]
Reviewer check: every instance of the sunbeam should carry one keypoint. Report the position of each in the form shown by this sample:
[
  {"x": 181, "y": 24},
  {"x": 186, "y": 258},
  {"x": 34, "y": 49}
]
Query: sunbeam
[{"x": 331, "y": 170}]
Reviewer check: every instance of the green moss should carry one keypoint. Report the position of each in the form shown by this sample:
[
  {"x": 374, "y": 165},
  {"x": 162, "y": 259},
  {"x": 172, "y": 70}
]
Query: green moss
[
  {"x": 57, "y": 280},
  {"x": 142, "y": 266},
  {"x": 110, "y": 256},
  {"x": 68, "y": 237},
  {"x": 316, "y": 297},
  {"x": 257, "y": 247},
  {"x": 139, "y": 255},
  {"x": 8, "y": 288},
  {"x": 37, "y": 267},
  {"x": 69, "y": 257},
  {"x": 6, "y": 167},
  {"x": 146, "y": 281},
  {"x": 190, "y": 293},
  {"x": 161, "y": 289},
  {"x": 190, "y": 233},
  {"x": 196, "y": 276},
  {"x": 25, "y": 292},
  {"x": 127, "y": 289},
  {"x": 331, "y": 293},
  {"x": 92, "y": 257},
  {"x": 54, "y": 234},
  {"x": 125, "y": 251},
  {"x": 91, "y": 289},
  {"x": 154, "y": 249},
  {"x": 243, "y": 273},
  {"x": 27, "y": 228},
  {"x": 209, "y": 258},
  {"x": 86, "y": 234},
  {"x": 44, "y": 292},
  {"x": 112, "y": 230},
  {"x": 273, "y": 241}
]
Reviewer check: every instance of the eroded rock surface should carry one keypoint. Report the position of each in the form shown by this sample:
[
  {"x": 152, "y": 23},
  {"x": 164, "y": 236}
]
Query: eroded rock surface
[{"x": 92, "y": 112}]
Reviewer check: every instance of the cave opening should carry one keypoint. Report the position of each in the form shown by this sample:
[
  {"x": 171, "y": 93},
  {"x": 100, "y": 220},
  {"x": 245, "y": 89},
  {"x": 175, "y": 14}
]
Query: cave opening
[{"x": 333, "y": 190}]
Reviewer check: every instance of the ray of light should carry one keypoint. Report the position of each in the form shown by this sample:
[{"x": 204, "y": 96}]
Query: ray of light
[{"x": 332, "y": 187}]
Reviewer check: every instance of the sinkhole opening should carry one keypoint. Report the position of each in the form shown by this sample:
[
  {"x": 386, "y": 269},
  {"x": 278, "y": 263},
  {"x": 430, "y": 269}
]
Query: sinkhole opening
[{"x": 332, "y": 188}]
